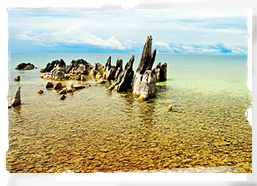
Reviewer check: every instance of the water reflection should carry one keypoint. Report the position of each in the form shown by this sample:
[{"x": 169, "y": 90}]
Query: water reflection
[{"x": 17, "y": 110}]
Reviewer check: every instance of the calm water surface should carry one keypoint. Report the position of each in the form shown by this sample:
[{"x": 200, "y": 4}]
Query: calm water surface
[{"x": 97, "y": 130}]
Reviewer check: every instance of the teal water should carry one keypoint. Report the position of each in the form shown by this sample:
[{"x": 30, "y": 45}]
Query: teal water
[{"x": 97, "y": 130}]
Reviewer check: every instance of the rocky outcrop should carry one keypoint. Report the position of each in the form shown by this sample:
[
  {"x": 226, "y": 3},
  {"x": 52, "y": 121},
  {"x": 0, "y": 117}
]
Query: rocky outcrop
[
  {"x": 145, "y": 79},
  {"x": 25, "y": 66},
  {"x": 55, "y": 70},
  {"x": 17, "y": 98},
  {"x": 161, "y": 72},
  {"x": 125, "y": 77},
  {"x": 58, "y": 86},
  {"x": 80, "y": 66}
]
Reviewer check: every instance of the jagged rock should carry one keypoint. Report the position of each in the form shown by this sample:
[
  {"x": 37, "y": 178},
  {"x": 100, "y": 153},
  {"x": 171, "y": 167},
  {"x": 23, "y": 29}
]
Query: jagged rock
[
  {"x": 145, "y": 79},
  {"x": 49, "y": 85},
  {"x": 118, "y": 68},
  {"x": 109, "y": 71},
  {"x": 62, "y": 97},
  {"x": 161, "y": 72},
  {"x": 17, "y": 97},
  {"x": 58, "y": 86},
  {"x": 125, "y": 78},
  {"x": 25, "y": 66},
  {"x": 55, "y": 70},
  {"x": 17, "y": 78},
  {"x": 80, "y": 66},
  {"x": 40, "y": 91}
]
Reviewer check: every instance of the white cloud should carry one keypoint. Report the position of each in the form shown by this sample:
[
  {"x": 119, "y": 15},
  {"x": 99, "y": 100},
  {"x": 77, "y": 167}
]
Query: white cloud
[
  {"x": 163, "y": 46},
  {"x": 75, "y": 34}
]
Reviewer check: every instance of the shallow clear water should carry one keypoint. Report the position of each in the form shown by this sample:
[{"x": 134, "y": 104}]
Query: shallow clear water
[{"x": 97, "y": 130}]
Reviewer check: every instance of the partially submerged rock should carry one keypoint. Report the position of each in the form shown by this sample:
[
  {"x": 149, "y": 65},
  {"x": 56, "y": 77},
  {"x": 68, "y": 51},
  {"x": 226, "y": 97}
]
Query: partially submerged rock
[
  {"x": 80, "y": 66},
  {"x": 109, "y": 70},
  {"x": 161, "y": 72},
  {"x": 62, "y": 97},
  {"x": 125, "y": 77},
  {"x": 17, "y": 98},
  {"x": 25, "y": 66},
  {"x": 40, "y": 91},
  {"x": 145, "y": 79},
  {"x": 58, "y": 86},
  {"x": 17, "y": 78},
  {"x": 96, "y": 68},
  {"x": 76, "y": 87},
  {"x": 49, "y": 85},
  {"x": 55, "y": 70},
  {"x": 63, "y": 91}
]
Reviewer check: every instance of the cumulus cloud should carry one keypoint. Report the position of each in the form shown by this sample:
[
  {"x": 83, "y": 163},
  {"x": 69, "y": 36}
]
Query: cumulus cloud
[{"x": 71, "y": 35}]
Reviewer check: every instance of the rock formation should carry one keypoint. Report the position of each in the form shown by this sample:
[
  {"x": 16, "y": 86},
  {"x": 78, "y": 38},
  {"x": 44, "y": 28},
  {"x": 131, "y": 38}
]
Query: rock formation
[
  {"x": 40, "y": 91},
  {"x": 145, "y": 79},
  {"x": 25, "y": 66},
  {"x": 17, "y": 97},
  {"x": 80, "y": 66},
  {"x": 161, "y": 72},
  {"x": 125, "y": 77},
  {"x": 55, "y": 70}
]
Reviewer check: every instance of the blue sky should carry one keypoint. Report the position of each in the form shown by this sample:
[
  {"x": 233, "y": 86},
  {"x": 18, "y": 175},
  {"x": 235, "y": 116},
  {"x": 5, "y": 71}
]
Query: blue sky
[{"x": 188, "y": 31}]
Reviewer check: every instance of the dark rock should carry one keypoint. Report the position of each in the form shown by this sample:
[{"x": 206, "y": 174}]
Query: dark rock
[
  {"x": 161, "y": 72},
  {"x": 145, "y": 79},
  {"x": 17, "y": 78},
  {"x": 125, "y": 77},
  {"x": 49, "y": 85},
  {"x": 17, "y": 97},
  {"x": 58, "y": 86},
  {"x": 25, "y": 66}
]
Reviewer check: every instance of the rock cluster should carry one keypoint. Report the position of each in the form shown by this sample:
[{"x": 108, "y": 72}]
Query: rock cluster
[
  {"x": 144, "y": 85},
  {"x": 25, "y": 66},
  {"x": 145, "y": 79}
]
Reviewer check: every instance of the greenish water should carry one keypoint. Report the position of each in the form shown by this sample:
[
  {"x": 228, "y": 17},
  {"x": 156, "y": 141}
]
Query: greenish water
[{"x": 97, "y": 130}]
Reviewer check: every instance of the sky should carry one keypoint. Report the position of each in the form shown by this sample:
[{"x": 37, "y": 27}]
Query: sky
[{"x": 182, "y": 31}]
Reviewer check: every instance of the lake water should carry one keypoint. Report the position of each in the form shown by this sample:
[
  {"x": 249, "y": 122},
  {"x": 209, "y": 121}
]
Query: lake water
[{"x": 97, "y": 130}]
